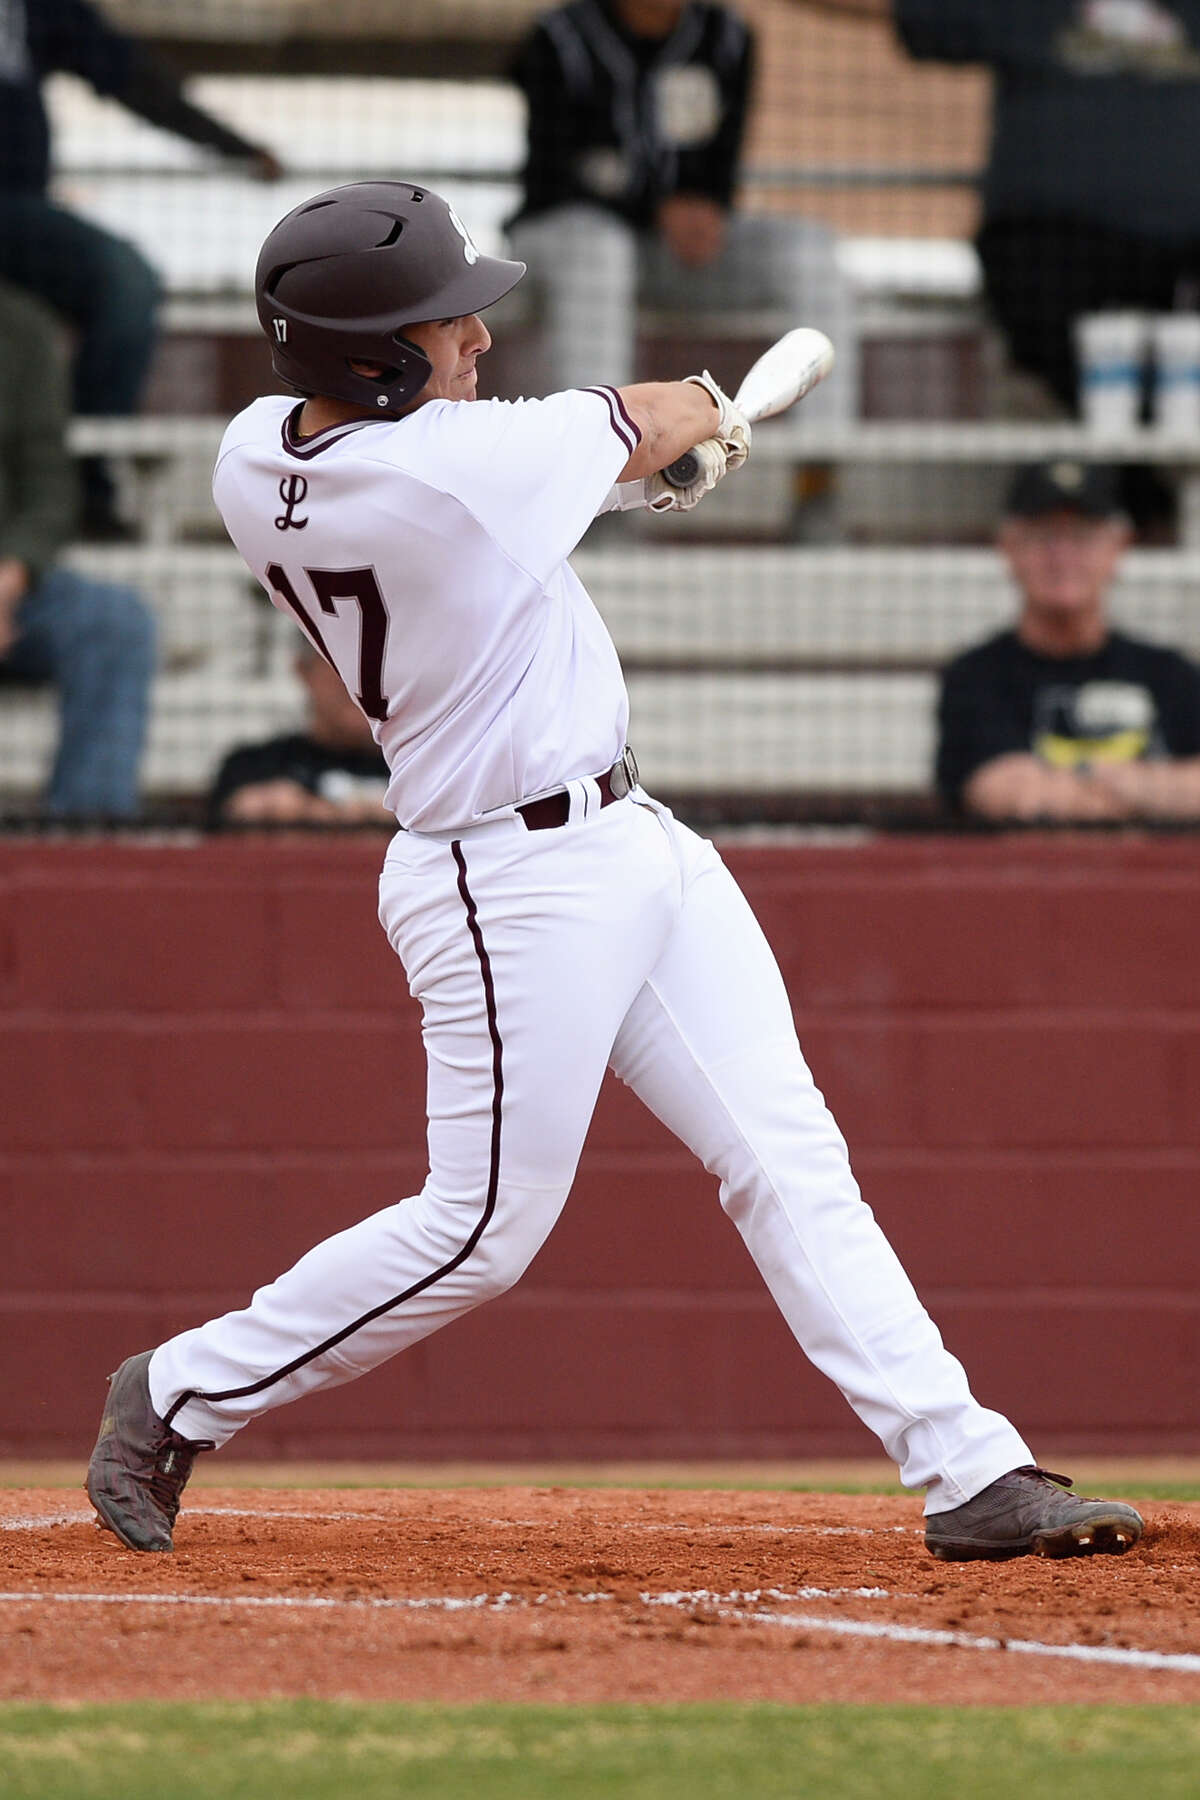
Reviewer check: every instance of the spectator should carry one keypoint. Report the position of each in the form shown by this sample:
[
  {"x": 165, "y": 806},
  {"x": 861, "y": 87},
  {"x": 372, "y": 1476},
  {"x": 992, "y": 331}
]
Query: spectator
[
  {"x": 95, "y": 641},
  {"x": 637, "y": 110},
  {"x": 1064, "y": 718},
  {"x": 1090, "y": 197},
  {"x": 332, "y": 773},
  {"x": 99, "y": 283}
]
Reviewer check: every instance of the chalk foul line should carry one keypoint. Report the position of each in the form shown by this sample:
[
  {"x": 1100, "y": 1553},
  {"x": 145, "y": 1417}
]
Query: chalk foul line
[
  {"x": 728, "y": 1607},
  {"x": 1179, "y": 1661}
]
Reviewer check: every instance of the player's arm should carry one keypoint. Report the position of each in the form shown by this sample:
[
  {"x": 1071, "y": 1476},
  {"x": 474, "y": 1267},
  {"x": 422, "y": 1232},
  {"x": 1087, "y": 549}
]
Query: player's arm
[{"x": 672, "y": 416}]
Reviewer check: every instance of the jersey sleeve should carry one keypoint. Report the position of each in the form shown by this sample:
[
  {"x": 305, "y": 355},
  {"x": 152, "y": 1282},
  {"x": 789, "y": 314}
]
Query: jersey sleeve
[{"x": 533, "y": 472}]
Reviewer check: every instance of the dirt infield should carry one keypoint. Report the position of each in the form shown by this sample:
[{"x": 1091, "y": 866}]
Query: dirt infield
[{"x": 559, "y": 1594}]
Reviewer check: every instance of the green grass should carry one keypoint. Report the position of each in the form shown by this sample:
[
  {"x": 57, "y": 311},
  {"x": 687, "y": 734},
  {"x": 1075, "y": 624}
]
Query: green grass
[
  {"x": 310, "y": 1750},
  {"x": 278, "y": 1475},
  {"x": 1135, "y": 1488},
  {"x": 1131, "y": 1489}
]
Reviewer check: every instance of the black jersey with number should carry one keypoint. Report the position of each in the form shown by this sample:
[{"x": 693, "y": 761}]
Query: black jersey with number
[
  {"x": 1128, "y": 700},
  {"x": 620, "y": 121}
]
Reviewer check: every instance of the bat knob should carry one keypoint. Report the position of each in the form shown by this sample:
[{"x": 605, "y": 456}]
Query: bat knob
[{"x": 683, "y": 471}]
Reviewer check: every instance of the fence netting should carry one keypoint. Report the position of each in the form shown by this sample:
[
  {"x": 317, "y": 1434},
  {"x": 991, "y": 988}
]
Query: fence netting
[{"x": 694, "y": 182}]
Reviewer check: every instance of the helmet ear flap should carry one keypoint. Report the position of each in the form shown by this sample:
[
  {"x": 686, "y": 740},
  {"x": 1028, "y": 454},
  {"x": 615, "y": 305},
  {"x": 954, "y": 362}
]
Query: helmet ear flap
[
  {"x": 310, "y": 361},
  {"x": 404, "y": 375}
]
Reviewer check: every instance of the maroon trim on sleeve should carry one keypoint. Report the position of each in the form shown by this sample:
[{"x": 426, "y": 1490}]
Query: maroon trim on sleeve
[
  {"x": 622, "y": 424},
  {"x": 626, "y": 414}
]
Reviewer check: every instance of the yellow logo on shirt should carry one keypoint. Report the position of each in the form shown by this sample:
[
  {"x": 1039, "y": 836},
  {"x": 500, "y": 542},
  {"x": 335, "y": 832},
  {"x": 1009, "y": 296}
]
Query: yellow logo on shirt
[{"x": 1074, "y": 753}]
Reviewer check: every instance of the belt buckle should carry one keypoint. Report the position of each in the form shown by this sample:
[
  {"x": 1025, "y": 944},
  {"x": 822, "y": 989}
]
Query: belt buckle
[{"x": 623, "y": 776}]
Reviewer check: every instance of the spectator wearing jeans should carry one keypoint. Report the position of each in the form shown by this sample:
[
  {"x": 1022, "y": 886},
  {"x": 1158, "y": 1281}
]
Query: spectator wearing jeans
[
  {"x": 1062, "y": 717},
  {"x": 637, "y": 111},
  {"x": 102, "y": 285},
  {"x": 93, "y": 640}
]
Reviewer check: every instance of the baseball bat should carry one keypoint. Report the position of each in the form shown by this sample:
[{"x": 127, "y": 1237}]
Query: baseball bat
[{"x": 782, "y": 375}]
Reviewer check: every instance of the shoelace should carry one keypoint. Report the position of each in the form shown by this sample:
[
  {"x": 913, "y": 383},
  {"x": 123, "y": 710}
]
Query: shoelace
[
  {"x": 172, "y": 1465},
  {"x": 1063, "y": 1481}
]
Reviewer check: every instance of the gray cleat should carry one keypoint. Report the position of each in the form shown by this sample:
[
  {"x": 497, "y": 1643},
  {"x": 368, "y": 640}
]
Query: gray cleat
[
  {"x": 1024, "y": 1513},
  {"x": 139, "y": 1467}
]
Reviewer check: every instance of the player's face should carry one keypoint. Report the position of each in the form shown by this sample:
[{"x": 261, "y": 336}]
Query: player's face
[
  {"x": 452, "y": 346},
  {"x": 1063, "y": 563}
]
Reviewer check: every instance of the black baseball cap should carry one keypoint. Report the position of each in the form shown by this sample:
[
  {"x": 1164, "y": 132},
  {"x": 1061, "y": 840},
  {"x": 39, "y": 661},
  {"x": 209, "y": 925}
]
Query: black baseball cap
[{"x": 1064, "y": 485}]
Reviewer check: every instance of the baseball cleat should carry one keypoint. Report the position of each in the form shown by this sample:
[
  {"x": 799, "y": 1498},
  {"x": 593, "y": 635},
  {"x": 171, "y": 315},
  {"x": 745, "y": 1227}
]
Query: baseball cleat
[
  {"x": 1025, "y": 1513},
  {"x": 139, "y": 1467}
]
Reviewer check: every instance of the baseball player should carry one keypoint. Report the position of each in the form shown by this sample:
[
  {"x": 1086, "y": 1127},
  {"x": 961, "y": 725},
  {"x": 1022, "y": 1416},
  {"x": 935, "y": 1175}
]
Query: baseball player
[{"x": 553, "y": 919}]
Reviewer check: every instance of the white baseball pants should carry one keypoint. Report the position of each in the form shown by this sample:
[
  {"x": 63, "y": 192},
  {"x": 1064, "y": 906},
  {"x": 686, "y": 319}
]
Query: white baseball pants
[{"x": 541, "y": 958}]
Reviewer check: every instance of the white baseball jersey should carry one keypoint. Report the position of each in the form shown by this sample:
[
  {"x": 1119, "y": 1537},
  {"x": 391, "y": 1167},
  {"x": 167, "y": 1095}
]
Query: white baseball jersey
[{"x": 425, "y": 557}]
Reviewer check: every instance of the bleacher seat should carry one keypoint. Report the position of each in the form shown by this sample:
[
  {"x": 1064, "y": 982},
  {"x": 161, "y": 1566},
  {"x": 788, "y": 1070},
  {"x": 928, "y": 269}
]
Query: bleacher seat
[{"x": 755, "y": 671}]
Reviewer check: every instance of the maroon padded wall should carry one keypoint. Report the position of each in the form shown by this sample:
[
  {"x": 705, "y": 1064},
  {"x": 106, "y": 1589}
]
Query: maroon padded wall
[{"x": 211, "y": 1060}]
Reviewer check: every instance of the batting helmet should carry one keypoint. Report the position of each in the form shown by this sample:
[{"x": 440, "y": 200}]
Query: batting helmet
[{"x": 341, "y": 275}]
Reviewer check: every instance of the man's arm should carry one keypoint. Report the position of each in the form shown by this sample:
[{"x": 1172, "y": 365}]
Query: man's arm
[
  {"x": 153, "y": 92},
  {"x": 81, "y": 42},
  {"x": 692, "y": 218},
  {"x": 1020, "y": 787},
  {"x": 711, "y": 168},
  {"x": 1167, "y": 789},
  {"x": 41, "y": 476},
  {"x": 549, "y": 176}
]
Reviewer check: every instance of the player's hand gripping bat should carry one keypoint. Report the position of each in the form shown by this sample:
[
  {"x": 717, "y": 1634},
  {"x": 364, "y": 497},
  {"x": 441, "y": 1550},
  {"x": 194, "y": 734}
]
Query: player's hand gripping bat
[{"x": 791, "y": 368}]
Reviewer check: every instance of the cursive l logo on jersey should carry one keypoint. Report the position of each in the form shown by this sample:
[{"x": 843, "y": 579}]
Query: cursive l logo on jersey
[{"x": 292, "y": 489}]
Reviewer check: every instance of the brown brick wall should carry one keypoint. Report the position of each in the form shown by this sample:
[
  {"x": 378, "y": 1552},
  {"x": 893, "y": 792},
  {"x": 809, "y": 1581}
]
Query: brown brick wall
[{"x": 211, "y": 1060}]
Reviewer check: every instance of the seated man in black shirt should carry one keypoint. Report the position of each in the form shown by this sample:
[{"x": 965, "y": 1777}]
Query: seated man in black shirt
[
  {"x": 1063, "y": 718},
  {"x": 333, "y": 773}
]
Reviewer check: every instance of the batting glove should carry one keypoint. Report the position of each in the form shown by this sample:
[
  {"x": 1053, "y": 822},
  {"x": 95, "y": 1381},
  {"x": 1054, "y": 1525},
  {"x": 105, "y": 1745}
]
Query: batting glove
[
  {"x": 713, "y": 460},
  {"x": 656, "y": 494},
  {"x": 733, "y": 427}
]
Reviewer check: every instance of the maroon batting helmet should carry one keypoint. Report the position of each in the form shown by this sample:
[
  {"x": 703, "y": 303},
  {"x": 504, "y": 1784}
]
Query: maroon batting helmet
[{"x": 341, "y": 275}]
